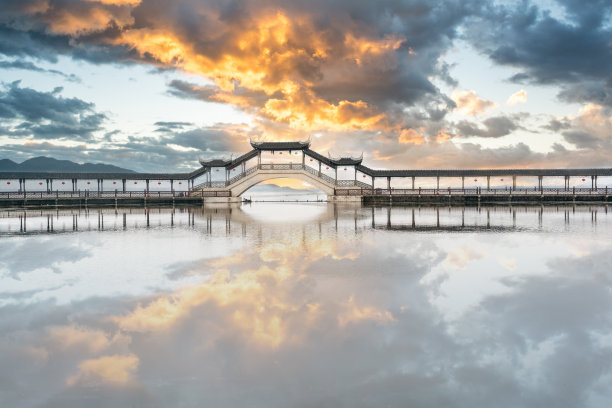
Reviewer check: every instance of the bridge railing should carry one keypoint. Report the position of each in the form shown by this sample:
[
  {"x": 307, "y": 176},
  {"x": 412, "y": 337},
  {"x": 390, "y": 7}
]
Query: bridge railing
[
  {"x": 50, "y": 195},
  {"x": 473, "y": 191},
  {"x": 325, "y": 177},
  {"x": 281, "y": 166},
  {"x": 210, "y": 193}
]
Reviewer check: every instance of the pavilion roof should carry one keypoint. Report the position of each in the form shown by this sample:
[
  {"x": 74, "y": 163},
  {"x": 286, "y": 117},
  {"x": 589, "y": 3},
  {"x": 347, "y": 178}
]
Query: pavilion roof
[{"x": 280, "y": 145}]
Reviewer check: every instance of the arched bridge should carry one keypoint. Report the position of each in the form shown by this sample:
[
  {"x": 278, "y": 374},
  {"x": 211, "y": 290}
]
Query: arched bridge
[
  {"x": 346, "y": 178},
  {"x": 341, "y": 178}
]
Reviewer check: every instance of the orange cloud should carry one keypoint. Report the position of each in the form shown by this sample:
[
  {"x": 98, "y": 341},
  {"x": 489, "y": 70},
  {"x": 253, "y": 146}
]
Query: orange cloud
[
  {"x": 443, "y": 136},
  {"x": 469, "y": 103},
  {"x": 411, "y": 136},
  {"x": 114, "y": 369},
  {"x": 65, "y": 337},
  {"x": 267, "y": 57},
  {"x": 517, "y": 97}
]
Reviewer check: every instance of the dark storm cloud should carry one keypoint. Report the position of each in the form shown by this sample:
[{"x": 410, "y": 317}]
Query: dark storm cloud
[
  {"x": 573, "y": 51},
  {"x": 47, "y": 115},
  {"x": 497, "y": 126}
]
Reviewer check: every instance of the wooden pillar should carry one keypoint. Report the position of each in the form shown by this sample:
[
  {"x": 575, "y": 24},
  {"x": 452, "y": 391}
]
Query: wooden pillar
[
  {"x": 172, "y": 185},
  {"x": 437, "y": 182},
  {"x": 319, "y": 168},
  {"x": 336, "y": 170},
  {"x": 303, "y": 158},
  {"x": 259, "y": 158},
  {"x": 540, "y": 183},
  {"x": 463, "y": 182},
  {"x": 488, "y": 183},
  {"x": 413, "y": 182},
  {"x": 147, "y": 184},
  {"x": 47, "y": 180},
  {"x": 513, "y": 182},
  {"x": 123, "y": 182},
  {"x": 389, "y": 184}
]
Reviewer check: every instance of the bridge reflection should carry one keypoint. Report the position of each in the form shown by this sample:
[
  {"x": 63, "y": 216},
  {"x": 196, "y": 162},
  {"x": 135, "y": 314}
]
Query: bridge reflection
[{"x": 309, "y": 219}]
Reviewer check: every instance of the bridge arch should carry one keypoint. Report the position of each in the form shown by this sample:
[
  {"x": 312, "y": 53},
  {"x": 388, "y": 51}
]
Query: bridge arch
[{"x": 246, "y": 183}]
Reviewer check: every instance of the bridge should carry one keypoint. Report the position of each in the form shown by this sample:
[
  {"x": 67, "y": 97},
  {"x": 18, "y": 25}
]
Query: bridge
[{"x": 342, "y": 178}]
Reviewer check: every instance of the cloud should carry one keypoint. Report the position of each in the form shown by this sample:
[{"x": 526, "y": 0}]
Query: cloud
[
  {"x": 497, "y": 126},
  {"x": 572, "y": 51},
  {"x": 411, "y": 136},
  {"x": 517, "y": 97},
  {"x": 590, "y": 129},
  {"x": 119, "y": 369},
  {"x": 29, "y": 66},
  {"x": 46, "y": 115},
  {"x": 283, "y": 62},
  {"x": 469, "y": 103}
]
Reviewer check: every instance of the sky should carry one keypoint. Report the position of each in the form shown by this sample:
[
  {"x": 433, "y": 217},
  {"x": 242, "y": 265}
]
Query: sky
[{"x": 154, "y": 85}]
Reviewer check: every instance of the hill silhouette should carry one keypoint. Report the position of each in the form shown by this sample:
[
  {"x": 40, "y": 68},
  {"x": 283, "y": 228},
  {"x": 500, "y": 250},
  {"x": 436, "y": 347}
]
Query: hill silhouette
[{"x": 48, "y": 164}]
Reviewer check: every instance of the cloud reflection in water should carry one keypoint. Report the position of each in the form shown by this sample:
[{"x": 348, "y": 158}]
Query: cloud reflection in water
[{"x": 353, "y": 307}]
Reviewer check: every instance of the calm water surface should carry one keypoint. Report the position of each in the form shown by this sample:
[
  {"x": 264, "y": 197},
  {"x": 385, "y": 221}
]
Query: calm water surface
[{"x": 306, "y": 305}]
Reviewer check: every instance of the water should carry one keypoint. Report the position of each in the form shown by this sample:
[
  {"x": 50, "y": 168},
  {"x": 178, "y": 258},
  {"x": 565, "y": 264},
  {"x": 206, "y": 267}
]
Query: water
[{"x": 307, "y": 305}]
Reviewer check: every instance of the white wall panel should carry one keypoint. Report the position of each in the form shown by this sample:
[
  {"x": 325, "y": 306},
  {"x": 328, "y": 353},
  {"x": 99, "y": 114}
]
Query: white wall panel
[
  {"x": 135, "y": 185},
  {"x": 86, "y": 185},
  {"x": 36, "y": 185},
  {"x": 112, "y": 185},
  {"x": 10, "y": 185}
]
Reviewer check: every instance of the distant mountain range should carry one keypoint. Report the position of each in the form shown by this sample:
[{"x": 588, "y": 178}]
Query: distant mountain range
[{"x": 50, "y": 165}]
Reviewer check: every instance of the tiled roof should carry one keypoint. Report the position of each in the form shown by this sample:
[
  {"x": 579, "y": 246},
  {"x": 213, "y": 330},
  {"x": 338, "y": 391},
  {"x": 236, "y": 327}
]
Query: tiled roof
[{"x": 280, "y": 145}]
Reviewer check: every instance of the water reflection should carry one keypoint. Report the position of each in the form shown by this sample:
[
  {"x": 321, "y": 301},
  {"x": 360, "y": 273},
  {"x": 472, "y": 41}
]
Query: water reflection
[
  {"x": 260, "y": 216},
  {"x": 324, "y": 306}
]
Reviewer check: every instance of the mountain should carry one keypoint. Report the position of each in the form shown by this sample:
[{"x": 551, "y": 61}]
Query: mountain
[{"x": 50, "y": 165}]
